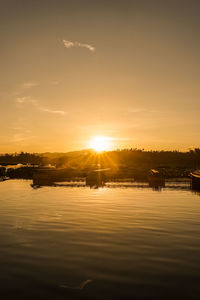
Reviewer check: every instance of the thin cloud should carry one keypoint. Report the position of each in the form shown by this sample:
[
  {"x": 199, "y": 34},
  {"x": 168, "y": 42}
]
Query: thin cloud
[
  {"x": 28, "y": 85},
  {"x": 19, "y": 137},
  {"x": 51, "y": 111},
  {"x": 55, "y": 82},
  {"x": 22, "y": 137},
  {"x": 69, "y": 44},
  {"x": 142, "y": 110},
  {"x": 22, "y": 99},
  {"x": 23, "y": 87},
  {"x": 36, "y": 104}
]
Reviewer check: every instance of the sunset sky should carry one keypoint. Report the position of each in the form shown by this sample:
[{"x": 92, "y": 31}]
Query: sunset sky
[{"x": 125, "y": 69}]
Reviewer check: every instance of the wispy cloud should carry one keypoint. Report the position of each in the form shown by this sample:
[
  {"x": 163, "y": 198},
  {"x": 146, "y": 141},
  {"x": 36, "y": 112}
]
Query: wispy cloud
[
  {"x": 142, "y": 110},
  {"x": 19, "y": 137},
  {"x": 70, "y": 44},
  {"x": 28, "y": 85},
  {"x": 55, "y": 82},
  {"x": 51, "y": 111},
  {"x": 22, "y": 99},
  {"x": 23, "y": 87},
  {"x": 36, "y": 104}
]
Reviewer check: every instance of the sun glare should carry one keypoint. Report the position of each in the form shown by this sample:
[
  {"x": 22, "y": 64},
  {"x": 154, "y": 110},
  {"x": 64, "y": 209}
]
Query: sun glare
[{"x": 100, "y": 143}]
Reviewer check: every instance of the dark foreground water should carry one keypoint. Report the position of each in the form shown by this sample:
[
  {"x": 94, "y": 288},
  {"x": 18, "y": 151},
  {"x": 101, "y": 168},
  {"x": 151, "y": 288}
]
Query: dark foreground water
[{"x": 111, "y": 243}]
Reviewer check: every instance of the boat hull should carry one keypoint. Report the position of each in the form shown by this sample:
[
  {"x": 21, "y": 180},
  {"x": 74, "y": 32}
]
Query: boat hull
[
  {"x": 195, "y": 180},
  {"x": 156, "y": 179}
]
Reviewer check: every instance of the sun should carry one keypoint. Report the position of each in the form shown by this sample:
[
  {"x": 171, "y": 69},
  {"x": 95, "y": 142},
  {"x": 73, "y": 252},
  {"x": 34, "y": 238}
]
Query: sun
[{"x": 100, "y": 143}]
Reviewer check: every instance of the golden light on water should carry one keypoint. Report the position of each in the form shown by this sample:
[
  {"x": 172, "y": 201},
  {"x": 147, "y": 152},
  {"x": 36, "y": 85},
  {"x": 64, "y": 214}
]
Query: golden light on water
[{"x": 100, "y": 143}]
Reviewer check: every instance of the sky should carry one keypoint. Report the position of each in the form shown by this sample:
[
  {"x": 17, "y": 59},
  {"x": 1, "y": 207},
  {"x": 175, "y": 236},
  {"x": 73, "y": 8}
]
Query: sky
[{"x": 125, "y": 69}]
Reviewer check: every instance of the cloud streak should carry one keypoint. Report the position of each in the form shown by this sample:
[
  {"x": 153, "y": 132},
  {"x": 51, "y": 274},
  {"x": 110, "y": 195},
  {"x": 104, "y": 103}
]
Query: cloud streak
[
  {"x": 22, "y": 88},
  {"x": 51, "y": 111},
  {"x": 36, "y": 104},
  {"x": 69, "y": 44},
  {"x": 142, "y": 110},
  {"x": 22, "y": 99},
  {"x": 28, "y": 85}
]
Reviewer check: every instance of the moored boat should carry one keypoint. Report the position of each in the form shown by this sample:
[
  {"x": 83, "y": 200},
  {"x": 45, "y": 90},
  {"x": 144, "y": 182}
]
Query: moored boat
[
  {"x": 195, "y": 179},
  {"x": 3, "y": 178},
  {"x": 155, "y": 178},
  {"x": 96, "y": 178}
]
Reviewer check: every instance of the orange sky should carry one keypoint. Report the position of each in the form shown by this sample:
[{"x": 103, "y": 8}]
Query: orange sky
[{"x": 124, "y": 69}]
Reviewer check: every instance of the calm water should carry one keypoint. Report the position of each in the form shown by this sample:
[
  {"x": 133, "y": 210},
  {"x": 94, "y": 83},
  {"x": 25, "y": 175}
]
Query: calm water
[{"x": 110, "y": 243}]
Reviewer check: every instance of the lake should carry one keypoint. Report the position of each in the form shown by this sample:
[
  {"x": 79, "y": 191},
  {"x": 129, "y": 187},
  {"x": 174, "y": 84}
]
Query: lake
[{"x": 116, "y": 242}]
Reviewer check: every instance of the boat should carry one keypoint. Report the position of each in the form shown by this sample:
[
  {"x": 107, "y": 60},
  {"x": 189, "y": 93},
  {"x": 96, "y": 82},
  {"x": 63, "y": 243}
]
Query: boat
[
  {"x": 195, "y": 180},
  {"x": 97, "y": 178},
  {"x": 48, "y": 176},
  {"x": 4, "y": 178},
  {"x": 156, "y": 179}
]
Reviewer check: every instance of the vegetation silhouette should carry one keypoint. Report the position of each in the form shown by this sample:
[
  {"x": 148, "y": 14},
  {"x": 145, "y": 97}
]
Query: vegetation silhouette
[
  {"x": 127, "y": 158},
  {"x": 21, "y": 158},
  {"x": 125, "y": 163}
]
